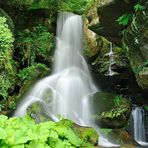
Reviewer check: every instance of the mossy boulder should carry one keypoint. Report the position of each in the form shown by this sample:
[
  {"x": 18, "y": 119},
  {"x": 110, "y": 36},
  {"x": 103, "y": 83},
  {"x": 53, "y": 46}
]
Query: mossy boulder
[
  {"x": 110, "y": 110},
  {"x": 120, "y": 137},
  {"x": 29, "y": 75}
]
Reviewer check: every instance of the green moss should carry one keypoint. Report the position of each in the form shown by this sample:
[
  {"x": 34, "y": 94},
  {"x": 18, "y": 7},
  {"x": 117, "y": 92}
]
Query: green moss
[{"x": 79, "y": 6}]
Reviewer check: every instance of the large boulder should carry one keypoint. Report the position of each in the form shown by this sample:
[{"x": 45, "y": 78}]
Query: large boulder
[
  {"x": 108, "y": 13},
  {"x": 110, "y": 110}
]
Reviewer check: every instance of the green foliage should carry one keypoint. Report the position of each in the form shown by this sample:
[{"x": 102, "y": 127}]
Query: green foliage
[
  {"x": 140, "y": 67},
  {"x": 118, "y": 100},
  {"x": 24, "y": 133},
  {"x": 146, "y": 108},
  {"x": 35, "y": 4},
  {"x": 128, "y": 17},
  {"x": 114, "y": 113},
  {"x": 7, "y": 65},
  {"x": 125, "y": 19},
  {"x": 34, "y": 44},
  {"x": 32, "y": 71},
  {"x": 79, "y": 6},
  {"x": 138, "y": 7},
  {"x": 6, "y": 37},
  {"x": 118, "y": 111}
]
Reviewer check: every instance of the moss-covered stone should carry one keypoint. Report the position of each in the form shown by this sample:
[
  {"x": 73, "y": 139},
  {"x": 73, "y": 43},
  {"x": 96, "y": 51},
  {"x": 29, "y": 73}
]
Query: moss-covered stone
[
  {"x": 28, "y": 76},
  {"x": 110, "y": 110},
  {"x": 136, "y": 44},
  {"x": 122, "y": 137}
]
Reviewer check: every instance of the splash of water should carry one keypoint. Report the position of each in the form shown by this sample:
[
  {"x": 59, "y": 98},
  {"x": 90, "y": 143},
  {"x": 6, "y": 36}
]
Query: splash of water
[
  {"x": 139, "y": 127},
  {"x": 67, "y": 90}
]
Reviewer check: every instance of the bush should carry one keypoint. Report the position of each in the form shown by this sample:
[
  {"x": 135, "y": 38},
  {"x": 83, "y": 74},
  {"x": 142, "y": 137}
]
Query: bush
[
  {"x": 79, "y": 6},
  {"x": 24, "y": 133},
  {"x": 7, "y": 65}
]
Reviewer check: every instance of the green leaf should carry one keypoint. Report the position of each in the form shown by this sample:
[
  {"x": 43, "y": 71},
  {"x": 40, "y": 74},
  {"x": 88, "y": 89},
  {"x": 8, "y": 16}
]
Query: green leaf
[
  {"x": 3, "y": 133},
  {"x": 124, "y": 19},
  {"x": 138, "y": 7}
]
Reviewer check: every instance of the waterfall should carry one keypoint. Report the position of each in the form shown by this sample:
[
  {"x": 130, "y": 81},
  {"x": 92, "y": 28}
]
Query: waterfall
[
  {"x": 111, "y": 60},
  {"x": 139, "y": 127},
  {"x": 67, "y": 91}
]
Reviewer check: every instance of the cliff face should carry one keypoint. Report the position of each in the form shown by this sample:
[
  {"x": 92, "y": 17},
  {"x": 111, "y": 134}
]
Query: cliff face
[
  {"x": 129, "y": 60},
  {"x": 135, "y": 41}
]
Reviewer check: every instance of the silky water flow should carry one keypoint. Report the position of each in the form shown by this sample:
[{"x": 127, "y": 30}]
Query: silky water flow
[
  {"x": 139, "y": 127},
  {"x": 66, "y": 92}
]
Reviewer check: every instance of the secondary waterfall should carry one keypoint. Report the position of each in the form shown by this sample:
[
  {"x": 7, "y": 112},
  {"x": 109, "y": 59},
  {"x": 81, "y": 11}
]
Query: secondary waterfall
[
  {"x": 111, "y": 60},
  {"x": 139, "y": 127},
  {"x": 66, "y": 92}
]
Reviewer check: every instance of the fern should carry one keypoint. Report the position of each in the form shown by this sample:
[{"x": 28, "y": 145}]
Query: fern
[{"x": 124, "y": 19}]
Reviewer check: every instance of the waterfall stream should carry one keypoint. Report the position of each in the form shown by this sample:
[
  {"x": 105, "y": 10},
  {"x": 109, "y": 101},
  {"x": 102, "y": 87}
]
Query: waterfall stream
[
  {"x": 111, "y": 60},
  {"x": 66, "y": 92},
  {"x": 139, "y": 127}
]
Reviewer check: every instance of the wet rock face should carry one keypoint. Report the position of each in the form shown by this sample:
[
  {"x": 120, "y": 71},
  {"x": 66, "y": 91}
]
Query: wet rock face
[
  {"x": 122, "y": 137},
  {"x": 136, "y": 43},
  {"x": 108, "y": 13},
  {"x": 110, "y": 110}
]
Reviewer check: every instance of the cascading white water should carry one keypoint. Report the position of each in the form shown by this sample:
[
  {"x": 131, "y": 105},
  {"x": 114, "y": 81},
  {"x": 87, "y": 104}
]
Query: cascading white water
[
  {"x": 66, "y": 92},
  {"x": 139, "y": 128},
  {"x": 111, "y": 60},
  {"x": 70, "y": 84}
]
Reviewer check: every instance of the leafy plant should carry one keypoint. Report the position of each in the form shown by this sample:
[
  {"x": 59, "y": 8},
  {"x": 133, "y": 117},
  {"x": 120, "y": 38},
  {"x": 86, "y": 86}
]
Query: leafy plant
[
  {"x": 24, "y": 133},
  {"x": 125, "y": 19},
  {"x": 38, "y": 42},
  {"x": 79, "y": 6},
  {"x": 138, "y": 7},
  {"x": 118, "y": 100},
  {"x": 7, "y": 65},
  {"x": 146, "y": 108}
]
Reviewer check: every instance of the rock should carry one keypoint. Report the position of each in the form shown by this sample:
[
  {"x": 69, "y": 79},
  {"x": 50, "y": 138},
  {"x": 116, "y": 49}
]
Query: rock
[
  {"x": 136, "y": 44},
  {"x": 33, "y": 73},
  {"x": 108, "y": 13},
  {"x": 89, "y": 135},
  {"x": 135, "y": 41},
  {"x": 122, "y": 137},
  {"x": 93, "y": 42},
  {"x": 142, "y": 78},
  {"x": 110, "y": 110}
]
